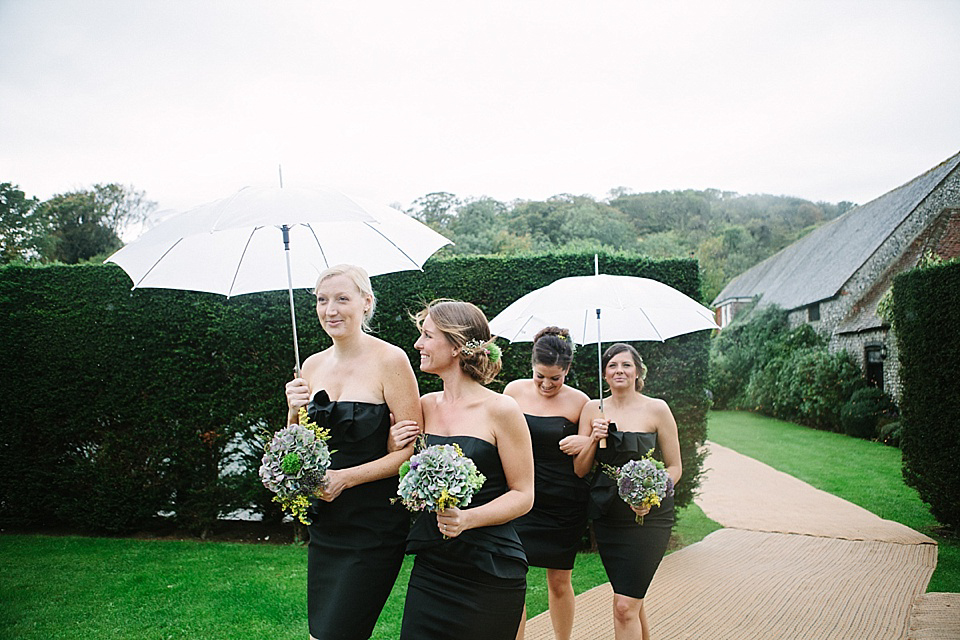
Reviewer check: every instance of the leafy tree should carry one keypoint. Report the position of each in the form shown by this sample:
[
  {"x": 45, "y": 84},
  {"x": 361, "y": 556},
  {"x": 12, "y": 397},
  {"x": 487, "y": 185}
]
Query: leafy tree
[
  {"x": 21, "y": 230},
  {"x": 82, "y": 225},
  {"x": 436, "y": 210}
]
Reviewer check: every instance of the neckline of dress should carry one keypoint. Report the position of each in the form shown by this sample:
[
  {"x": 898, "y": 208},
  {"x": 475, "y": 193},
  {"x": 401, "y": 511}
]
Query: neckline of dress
[
  {"x": 313, "y": 398},
  {"x": 462, "y": 435}
]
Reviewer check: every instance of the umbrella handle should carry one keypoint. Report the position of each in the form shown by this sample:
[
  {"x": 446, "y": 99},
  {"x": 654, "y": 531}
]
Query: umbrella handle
[{"x": 603, "y": 441}]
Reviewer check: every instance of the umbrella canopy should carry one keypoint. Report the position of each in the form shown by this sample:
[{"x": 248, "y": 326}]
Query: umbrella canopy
[
  {"x": 629, "y": 308},
  {"x": 236, "y": 245},
  {"x": 272, "y": 238}
]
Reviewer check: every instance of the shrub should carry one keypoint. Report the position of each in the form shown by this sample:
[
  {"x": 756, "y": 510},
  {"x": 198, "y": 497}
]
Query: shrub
[{"x": 861, "y": 416}]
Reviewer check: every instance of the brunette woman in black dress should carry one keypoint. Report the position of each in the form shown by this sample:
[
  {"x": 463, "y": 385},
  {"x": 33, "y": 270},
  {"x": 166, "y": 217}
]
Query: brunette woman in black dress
[
  {"x": 469, "y": 578},
  {"x": 553, "y": 530},
  {"x": 631, "y": 424},
  {"x": 357, "y": 536}
]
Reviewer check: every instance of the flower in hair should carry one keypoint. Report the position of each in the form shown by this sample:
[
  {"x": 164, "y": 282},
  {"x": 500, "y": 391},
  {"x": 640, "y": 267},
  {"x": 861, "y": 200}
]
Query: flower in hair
[{"x": 470, "y": 347}]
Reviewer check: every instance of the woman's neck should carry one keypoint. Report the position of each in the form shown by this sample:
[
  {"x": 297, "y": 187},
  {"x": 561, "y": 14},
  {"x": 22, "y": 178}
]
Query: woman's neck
[
  {"x": 457, "y": 385},
  {"x": 349, "y": 346}
]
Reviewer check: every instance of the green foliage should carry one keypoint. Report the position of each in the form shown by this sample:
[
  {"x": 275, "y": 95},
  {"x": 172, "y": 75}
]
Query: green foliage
[
  {"x": 865, "y": 412},
  {"x": 134, "y": 403},
  {"x": 751, "y": 340},
  {"x": 757, "y": 363},
  {"x": 81, "y": 225},
  {"x": 925, "y": 316},
  {"x": 20, "y": 228}
]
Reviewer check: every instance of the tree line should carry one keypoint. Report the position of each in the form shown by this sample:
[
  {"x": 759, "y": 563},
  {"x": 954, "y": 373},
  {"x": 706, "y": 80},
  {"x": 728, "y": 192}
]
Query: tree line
[{"x": 725, "y": 231}]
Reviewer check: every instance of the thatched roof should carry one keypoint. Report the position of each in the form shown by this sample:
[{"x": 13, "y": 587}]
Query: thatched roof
[{"x": 816, "y": 266}]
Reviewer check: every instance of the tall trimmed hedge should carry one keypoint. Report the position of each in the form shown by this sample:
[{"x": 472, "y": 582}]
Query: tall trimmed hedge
[
  {"x": 120, "y": 404},
  {"x": 926, "y": 304}
]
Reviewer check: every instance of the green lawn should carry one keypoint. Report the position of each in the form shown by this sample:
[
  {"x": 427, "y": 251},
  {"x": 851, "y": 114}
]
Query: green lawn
[
  {"x": 76, "y": 587},
  {"x": 865, "y": 473}
]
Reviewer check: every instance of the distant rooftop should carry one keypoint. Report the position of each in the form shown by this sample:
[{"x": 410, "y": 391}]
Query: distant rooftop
[{"x": 817, "y": 265}]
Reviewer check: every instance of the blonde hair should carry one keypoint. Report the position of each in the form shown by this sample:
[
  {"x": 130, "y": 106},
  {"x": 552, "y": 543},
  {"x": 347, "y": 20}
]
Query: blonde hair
[
  {"x": 462, "y": 322},
  {"x": 358, "y": 276}
]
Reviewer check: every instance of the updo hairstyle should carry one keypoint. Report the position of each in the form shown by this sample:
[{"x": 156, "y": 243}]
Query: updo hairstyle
[
  {"x": 462, "y": 322},
  {"x": 357, "y": 276},
  {"x": 552, "y": 347},
  {"x": 620, "y": 347}
]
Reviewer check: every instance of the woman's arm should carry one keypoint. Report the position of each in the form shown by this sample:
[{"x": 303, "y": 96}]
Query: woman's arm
[
  {"x": 593, "y": 427},
  {"x": 669, "y": 441},
  {"x": 516, "y": 456},
  {"x": 402, "y": 396}
]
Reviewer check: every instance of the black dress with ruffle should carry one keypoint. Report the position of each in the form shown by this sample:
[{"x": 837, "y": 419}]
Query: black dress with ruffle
[
  {"x": 630, "y": 551},
  {"x": 552, "y": 532},
  {"x": 470, "y": 587},
  {"x": 357, "y": 540}
]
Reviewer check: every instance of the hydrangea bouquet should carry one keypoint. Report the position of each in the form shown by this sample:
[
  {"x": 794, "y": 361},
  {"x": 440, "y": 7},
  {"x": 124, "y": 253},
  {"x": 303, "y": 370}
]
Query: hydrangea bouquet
[
  {"x": 642, "y": 483},
  {"x": 437, "y": 477},
  {"x": 294, "y": 465}
]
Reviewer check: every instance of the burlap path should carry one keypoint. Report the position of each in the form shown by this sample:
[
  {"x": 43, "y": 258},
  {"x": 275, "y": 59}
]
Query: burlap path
[{"x": 792, "y": 562}]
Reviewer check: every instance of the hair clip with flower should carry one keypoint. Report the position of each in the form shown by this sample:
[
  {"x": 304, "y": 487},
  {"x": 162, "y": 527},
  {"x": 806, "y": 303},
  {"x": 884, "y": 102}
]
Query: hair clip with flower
[{"x": 470, "y": 347}]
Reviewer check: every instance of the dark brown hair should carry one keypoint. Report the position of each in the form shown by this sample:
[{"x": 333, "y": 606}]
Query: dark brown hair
[
  {"x": 553, "y": 348},
  {"x": 620, "y": 347}
]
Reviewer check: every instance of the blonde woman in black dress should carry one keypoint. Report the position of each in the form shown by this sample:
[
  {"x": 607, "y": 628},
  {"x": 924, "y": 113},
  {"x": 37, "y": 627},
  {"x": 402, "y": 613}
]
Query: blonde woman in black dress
[
  {"x": 632, "y": 424},
  {"x": 553, "y": 530},
  {"x": 357, "y": 537},
  {"x": 469, "y": 578}
]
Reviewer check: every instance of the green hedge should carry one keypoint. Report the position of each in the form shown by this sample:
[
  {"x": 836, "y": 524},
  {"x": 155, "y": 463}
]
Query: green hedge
[
  {"x": 926, "y": 307},
  {"x": 120, "y": 404}
]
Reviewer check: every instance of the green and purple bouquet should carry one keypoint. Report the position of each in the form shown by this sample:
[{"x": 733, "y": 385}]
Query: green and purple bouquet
[
  {"x": 437, "y": 477},
  {"x": 642, "y": 483},
  {"x": 294, "y": 465}
]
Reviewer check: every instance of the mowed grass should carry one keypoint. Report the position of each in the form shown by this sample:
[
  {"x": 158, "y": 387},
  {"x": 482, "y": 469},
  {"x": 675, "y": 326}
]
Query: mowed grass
[
  {"x": 865, "y": 473},
  {"x": 106, "y": 588}
]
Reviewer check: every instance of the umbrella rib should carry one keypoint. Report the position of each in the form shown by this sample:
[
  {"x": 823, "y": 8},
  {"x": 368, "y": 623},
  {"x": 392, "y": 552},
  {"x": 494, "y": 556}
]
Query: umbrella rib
[
  {"x": 236, "y": 272},
  {"x": 156, "y": 262},
  {"x": 326, "y": 263},
  {"x": 405, "y": 254}
]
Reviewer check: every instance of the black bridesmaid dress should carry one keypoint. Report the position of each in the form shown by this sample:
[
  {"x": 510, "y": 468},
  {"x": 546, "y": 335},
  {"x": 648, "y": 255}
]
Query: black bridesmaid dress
[
  {"x": 356, "y": 541},
  {"x": 552, "y": 532},
  {"x": 630, "y": 551},
  {"x": 470, "y": 587}
]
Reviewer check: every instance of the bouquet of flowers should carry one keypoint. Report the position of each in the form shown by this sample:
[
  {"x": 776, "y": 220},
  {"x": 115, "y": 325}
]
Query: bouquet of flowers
[
  {"x": 437, "y": 477},
  {"x": 642, "y": 483},
  {"x": 294, "y": 465}
]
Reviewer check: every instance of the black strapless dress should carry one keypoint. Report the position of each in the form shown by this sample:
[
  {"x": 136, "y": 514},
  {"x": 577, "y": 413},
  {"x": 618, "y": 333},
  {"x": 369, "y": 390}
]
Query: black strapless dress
[
  {"x": 357, "y": 541},
  {"x": 553, "y": 530},
  {"x": 471, "y": 587},
  {"x": 630, "y": 552}
]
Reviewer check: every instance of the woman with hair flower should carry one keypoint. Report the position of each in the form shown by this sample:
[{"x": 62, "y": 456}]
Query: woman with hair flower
[
  {"x": 553, "y": 529},
  {"x": 469, "y": 577},
  {"x": 357, "y": 536},
  {"x": 633, "y": 424}
]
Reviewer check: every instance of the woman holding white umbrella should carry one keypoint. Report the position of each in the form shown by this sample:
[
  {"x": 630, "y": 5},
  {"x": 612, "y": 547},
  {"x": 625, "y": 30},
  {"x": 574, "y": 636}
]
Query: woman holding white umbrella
[
  {"x": 357, "y": 537},
  {"x": 632, "y": 424}
]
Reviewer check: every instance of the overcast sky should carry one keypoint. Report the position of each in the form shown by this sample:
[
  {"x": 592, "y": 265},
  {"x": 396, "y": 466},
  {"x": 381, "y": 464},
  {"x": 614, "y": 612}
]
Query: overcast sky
[{"x": 393, "y": 99}]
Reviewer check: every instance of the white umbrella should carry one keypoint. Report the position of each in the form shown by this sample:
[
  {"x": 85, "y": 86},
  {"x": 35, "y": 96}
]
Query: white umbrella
[
  {"x": 630, "y": 309},
  {"x": 273, "y": 238}
]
